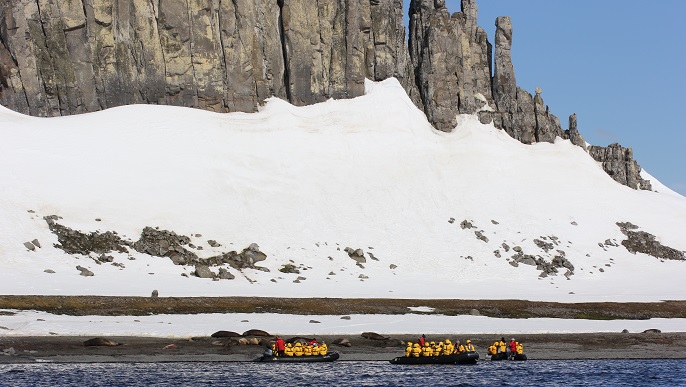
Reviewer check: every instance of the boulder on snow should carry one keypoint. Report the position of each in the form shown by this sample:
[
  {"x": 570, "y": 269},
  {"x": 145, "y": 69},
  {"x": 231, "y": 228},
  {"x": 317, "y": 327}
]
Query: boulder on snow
[{"x": 85, "y": 272}]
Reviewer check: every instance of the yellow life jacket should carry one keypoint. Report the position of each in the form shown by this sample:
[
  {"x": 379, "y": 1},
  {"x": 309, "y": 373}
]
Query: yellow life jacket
[
  {"x": 307, "y": 351},
  {"x": 323, "y": 349},
  {"x": 503, "y": 346},
  {"x": 520, "y": 349},
  {"x": 460, "y": 349},
  {"x": 426, "y": 351},
  {"x": 450, "y": 349},
  {"x": 492, "y": 350},
  {"x": 315, "y": 350},
  {"x": 298, "y": 350},
  {"x": 470, "y": 348},
  {"x": 416, "y": 351},
  {"x": 288, "y": 351}
]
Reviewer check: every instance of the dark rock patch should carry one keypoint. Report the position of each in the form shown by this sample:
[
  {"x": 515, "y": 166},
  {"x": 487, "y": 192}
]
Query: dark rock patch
[
  {"x": 256, "y": 332},
  {"x": 100, "y": 342},
  {"x": 225, "y": 334},
  {"x": 643, "y": 242}
]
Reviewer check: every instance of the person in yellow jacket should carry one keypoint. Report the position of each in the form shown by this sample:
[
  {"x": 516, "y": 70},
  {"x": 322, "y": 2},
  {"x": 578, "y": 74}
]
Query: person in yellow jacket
[
  {"x": 461, "y": 348},
  {"x": 447, "y": 348},
  {"x": 502, "y": 346},
  {"x": 469, "y": 347},
  {"x": 520, "y": 348},
  {"x": 323, "y": 349},
  {"x": 307, "y": 350},
  {"x": 288, "y": 351},
  {"x": 492, "y": 350},
  {"x": 416, "y": 350},
  {"x": 298, "y": 349},
  {"x": 438, "y": 349},
  {"x": 315, "y": 350},
  {"x": 426, "y": 351},
  {"x": 408, "y": 349}
]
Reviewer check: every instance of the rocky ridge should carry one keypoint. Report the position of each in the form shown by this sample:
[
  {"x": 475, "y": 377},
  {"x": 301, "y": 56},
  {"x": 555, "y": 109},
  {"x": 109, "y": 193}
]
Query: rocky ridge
[{"x": 70, "y": 57}]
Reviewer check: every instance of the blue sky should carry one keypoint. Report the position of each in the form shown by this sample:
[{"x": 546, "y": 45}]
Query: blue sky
[{"x": 620, "y": 66}]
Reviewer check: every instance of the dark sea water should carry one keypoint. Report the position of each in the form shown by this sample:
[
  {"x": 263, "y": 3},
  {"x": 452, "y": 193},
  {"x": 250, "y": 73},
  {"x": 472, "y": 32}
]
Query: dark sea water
[{"x": 342, "y": 373}]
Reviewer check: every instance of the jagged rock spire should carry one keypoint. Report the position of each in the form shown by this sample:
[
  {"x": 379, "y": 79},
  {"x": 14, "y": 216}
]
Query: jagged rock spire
[{"x": 451, "y": 58}]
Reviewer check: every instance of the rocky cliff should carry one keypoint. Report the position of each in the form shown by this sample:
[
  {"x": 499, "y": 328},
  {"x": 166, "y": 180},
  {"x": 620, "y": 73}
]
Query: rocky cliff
[{"x": 63, "y": 57}]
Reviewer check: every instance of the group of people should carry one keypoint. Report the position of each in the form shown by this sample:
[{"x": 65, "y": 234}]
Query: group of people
[
  {"x": 441, "y": 348},
  {"x": 311, "y": 348},
  {"x": 510, "y": 349}
]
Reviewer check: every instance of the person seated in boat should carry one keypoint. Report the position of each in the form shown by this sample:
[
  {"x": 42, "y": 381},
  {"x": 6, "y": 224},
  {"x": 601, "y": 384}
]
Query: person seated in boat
[
  {"x": 416, "y": 350},
  {"x": 447, "y": 348},
  {"x": 512, "y": 348},
  {"x": 492, "y": 350},
  {"x": 408, "y": 349},
  {"x": 421, "y": 341},
  {"x": 439, "y": 349},
  {"x": 288, "y": 351},
  {"x": 461, "y": 348},
  {"x": 469, "y": 347},
  {"x": 427, "y": 351},
  {"x": 315, "y": 350},
  {"x": 313, "y": 342},
  {"x": 520, "y": 349},
  {"x": 307, "y": 350},
  {"x": 502, "y": 346},
  {"x": 323, "y": 349},
  {"x": 298, "y": 349},
  {"x": 280, "y": 346}
]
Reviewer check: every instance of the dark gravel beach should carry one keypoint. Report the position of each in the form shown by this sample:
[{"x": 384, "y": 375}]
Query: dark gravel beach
[
  {"x": 147, "y": 349},
  {"x": 649, "y": 345}
]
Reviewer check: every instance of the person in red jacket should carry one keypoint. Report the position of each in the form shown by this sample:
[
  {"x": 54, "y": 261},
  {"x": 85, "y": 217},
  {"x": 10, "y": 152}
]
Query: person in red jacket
[
  {"x": 513, "y": 348},
  {"x": 422, "y": 341},
  {"x": 280, "y": 346}
]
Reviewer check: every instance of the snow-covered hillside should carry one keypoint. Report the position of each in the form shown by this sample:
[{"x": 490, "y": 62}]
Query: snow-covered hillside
[{"x": 305, "y": 183}]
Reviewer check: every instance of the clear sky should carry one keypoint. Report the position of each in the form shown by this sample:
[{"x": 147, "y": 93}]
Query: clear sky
[{"x": 620, "y": 65}]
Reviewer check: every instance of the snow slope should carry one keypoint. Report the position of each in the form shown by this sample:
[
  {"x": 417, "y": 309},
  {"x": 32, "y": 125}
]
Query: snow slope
[{"x": 304, "y": 183}]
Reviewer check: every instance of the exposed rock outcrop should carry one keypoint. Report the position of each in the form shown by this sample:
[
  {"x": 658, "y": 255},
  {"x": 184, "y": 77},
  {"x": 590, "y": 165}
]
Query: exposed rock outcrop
[
  {"x": 451, "y": 56},
  {"x": 642, "y": 242},
  {"x": 69, "y": 57},
  {"x": 619, "y": 163}
]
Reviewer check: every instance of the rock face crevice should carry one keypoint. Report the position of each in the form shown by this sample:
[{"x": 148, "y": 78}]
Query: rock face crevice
[{"x": 64, "y": 57}]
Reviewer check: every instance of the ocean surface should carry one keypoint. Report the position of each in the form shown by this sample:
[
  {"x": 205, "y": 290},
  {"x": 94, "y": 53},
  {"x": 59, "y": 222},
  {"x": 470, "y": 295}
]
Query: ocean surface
[{"x": 343, "y": 373}]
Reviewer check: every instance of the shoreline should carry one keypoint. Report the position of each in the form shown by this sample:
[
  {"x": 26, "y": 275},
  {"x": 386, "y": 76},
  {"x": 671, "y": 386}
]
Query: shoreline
[{"x": 134, "y": 349}]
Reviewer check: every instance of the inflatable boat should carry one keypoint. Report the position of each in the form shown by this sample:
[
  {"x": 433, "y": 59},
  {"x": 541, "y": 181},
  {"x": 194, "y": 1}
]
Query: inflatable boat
[{"x": 329, "y": 357}]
